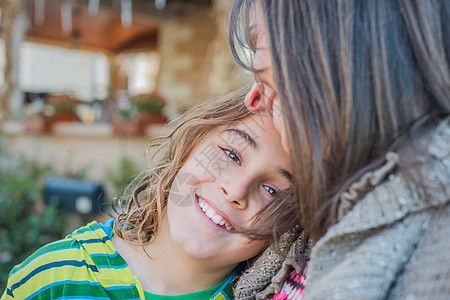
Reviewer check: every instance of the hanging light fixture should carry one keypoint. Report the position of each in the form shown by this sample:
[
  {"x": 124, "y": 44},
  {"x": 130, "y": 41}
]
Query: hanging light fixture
[
  {"x": 160, "y": 4},
  {"x": 39, "y": 12},
  {"x": 93, "y": 7},
  {"x": 66, "y": 16},
  {"x": 126, "y": 13}
]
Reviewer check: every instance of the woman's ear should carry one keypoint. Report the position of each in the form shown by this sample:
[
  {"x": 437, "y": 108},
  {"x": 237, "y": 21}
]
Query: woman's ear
[{"x": 253, "y": 99}]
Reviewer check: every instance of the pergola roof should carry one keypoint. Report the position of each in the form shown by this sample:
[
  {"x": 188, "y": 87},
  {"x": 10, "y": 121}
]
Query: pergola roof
[{"x": 104, "y": 31}]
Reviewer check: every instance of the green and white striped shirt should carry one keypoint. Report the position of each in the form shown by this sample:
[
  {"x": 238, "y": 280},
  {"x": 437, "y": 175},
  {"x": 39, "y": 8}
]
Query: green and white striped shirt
[{"x": 84, "y": 265}]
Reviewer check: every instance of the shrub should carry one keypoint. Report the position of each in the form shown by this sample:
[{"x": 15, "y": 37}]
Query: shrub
[
  {"x": 119, "y": 178},
  {"x": 25, "y": 222}
]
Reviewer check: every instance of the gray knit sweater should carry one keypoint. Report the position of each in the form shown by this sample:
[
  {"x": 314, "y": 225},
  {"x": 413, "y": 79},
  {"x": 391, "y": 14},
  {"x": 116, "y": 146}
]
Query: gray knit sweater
[{"x": 394, "y": 241}]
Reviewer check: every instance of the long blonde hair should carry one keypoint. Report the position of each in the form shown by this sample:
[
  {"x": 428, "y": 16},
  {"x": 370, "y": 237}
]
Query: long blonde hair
[{"x": 140, "y": 213}]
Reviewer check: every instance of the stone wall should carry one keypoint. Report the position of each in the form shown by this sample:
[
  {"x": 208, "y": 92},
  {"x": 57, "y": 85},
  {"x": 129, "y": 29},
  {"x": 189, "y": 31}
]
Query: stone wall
[
  {"x": 196, "y": 62},
  {"x": 225, "y": 74}
]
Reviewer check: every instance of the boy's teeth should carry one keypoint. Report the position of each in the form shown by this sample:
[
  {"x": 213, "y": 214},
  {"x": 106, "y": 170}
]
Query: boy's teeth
[
  {"x": 210, "y": 213},
  {"x": 217, "y": 219}
]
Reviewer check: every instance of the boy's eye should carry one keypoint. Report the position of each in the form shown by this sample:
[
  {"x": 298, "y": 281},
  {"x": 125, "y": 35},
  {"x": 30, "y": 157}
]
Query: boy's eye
[
  {"x": 271, "y": 190},
  {"x": 231, "y": 154}
]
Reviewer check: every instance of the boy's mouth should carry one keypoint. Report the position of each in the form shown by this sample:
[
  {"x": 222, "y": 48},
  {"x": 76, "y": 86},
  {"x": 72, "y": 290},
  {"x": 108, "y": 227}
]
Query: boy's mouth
[{"x": 213, "y": 215}]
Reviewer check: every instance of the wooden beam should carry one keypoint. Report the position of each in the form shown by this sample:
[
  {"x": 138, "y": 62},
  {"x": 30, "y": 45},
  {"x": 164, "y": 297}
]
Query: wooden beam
[{"x": 103, "y": 31}]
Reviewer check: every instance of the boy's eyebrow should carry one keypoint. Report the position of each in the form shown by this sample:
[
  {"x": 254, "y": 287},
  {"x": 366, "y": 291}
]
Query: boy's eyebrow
[
  {"x": 286, "y": 174},
  {"x": 243, "y": 134}
]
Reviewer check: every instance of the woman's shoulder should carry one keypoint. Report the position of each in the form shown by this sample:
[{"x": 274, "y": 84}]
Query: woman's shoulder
[
  {"x": 409, "y": 181},
  {"x": 427, "y": 272},
  {"x": 394, "y": 215}
]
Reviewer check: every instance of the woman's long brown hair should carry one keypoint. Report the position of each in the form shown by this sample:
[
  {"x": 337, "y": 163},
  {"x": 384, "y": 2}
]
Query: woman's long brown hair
[{"x": 355, "y": 78}]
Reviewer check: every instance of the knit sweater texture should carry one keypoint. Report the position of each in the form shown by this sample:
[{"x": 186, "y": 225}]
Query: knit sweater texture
[
  {"x": 266, "y": 276},
  {"x": 392, "y": 240}
]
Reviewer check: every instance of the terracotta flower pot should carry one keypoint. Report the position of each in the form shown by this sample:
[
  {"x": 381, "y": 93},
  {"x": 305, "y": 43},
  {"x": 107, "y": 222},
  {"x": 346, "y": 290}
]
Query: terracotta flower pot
[
  {"x": 147, "y": 119},
  {"x": 63, "y": 117},
  {"x": 37, "y": 124},
  {"x": 126, "y": 127}
]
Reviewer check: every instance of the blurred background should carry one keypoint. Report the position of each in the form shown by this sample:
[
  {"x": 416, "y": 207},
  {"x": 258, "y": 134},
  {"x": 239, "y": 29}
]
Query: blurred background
[{"x": 84, "y": 85}]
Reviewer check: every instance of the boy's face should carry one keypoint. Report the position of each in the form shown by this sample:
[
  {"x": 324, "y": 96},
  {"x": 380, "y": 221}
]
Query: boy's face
[{"x": 231, "y": 175}]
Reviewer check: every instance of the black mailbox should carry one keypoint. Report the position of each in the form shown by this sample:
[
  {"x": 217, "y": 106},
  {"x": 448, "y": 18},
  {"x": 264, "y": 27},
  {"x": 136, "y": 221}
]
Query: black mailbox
[{"x": 79, "y": 196}]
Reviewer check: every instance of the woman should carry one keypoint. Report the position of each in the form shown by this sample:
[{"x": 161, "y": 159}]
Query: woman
[{"x": 360, "y": 93}]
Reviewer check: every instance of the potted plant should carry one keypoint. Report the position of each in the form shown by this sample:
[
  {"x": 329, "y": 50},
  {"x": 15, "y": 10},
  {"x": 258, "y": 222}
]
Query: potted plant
[
  {"x": 132, "y": 116},
  {"x": 35, "y": 119},
  {"x": 60, "y": 108},
  {"x": 125, "y": 119},
  {"x": 150, "y": 108}
]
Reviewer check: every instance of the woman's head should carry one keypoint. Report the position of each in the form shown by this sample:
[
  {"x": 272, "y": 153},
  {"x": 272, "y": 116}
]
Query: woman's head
[
  {"x": 221, "y": 165},
  {"x": 351, "y": 76}
]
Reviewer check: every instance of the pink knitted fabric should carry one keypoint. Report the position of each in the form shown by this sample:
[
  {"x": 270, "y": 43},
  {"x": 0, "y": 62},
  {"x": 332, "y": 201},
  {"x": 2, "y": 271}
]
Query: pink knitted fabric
[{"x": 293, "y": 287}]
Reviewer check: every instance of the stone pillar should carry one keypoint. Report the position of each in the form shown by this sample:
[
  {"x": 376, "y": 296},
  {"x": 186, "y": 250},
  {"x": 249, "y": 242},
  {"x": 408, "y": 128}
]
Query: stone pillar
[
  {"x": 10, "y": 10},
  {"x": 225, "y": 73},
  {"x": 196, "y": 61},
  {"x": 183, "y": 44}
]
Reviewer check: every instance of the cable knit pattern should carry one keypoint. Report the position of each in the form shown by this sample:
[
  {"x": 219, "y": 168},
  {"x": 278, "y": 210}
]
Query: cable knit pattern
[
  {"x": 266, "y": 276},
  {"x": 368, "y": 181},
  {"x": 393, "y": 243}
]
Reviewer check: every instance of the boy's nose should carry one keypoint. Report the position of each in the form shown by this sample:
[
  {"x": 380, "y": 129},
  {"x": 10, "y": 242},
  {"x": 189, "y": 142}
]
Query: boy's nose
[{"x": 235, "y": 194}]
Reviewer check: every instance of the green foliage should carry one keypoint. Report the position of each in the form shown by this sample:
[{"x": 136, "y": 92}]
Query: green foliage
[
  {"x": 126, "y": 114},
  {"x": 25, "y": 222},
  {"x": 75, "y": 172},
  {"x": 121, "y": 176},
  {"x": 149, "y": 105},
  {"x": 63, "y": 107}
]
